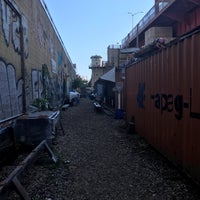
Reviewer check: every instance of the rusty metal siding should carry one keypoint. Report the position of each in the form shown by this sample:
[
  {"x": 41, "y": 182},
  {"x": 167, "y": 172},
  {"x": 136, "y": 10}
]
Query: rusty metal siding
[
  {"x": 198, "y": 16},
  {"x": 189, "y": 22},
  {"x": 163, "y": 94}
]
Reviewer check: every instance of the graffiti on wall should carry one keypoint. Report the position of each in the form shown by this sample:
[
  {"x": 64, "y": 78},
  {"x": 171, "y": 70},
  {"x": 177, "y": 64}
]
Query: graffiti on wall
[
  {"x": 11, "y": 27},
  {"x": 41, "y": 33},
  {"x": 39, "y": 25},
  {"x": 53, "y": 66},
  {"x": 25, "y": 35},
  {"x": 48, "y": 90},
  {"x": 37, "y": 88},
  {"x": 44, "y": 86},
  {"x": 58, "y": 80},
  {"x": 42, "y": 83},
  {"x": 51, "y": 44},
  {"x": 10, "y": 92},
  {"x": 60, "y": 68}
]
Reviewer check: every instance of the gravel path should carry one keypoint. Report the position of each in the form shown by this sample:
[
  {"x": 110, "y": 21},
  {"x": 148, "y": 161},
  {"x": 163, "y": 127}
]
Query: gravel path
[{"x": 98, "y": 160}]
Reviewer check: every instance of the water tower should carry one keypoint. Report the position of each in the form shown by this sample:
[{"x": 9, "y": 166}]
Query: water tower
[{"x": 97, "y": 68}]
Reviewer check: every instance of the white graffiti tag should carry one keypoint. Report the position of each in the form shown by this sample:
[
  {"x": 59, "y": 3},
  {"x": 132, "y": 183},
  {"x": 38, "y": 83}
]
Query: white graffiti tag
[
  {"x": 9, "y": 102},
  {"x": 11, "y": 27}
]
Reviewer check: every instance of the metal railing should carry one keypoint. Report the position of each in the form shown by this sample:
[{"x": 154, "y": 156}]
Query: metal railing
[{"x": 151, "y": 14}]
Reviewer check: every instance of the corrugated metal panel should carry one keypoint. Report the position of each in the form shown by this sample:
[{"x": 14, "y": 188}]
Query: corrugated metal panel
[
  {"x": 189, "y": 23},
  {"x": 198, "y": 16},
  {"x": 163, "y": 94}
]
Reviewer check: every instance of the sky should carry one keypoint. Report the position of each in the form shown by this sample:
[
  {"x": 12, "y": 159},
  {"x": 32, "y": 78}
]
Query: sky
[{"x": 88, "y": 27}]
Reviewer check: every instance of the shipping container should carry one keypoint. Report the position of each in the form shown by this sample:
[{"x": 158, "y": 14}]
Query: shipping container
[{"x": 163, "y": 94}]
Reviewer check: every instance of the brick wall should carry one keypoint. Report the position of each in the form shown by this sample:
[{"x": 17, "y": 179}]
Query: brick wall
[{"x": 48, "y": 69}]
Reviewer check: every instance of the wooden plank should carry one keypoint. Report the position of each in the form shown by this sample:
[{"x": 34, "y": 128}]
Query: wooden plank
[
  {"x": 20, "y": 189},
  {"x": 50, "y": 152},
  {"x": 12, "y": 178},
  {"x": 61, "y": 126}
]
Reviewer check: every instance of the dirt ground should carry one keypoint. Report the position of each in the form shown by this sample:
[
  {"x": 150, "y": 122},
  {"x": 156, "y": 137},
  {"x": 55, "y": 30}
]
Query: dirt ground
[{"x": 99, "y": 160}]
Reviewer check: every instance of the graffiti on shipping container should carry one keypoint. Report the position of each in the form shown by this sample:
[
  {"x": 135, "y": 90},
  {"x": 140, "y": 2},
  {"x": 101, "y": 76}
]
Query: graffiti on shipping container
[
  {"x": 11, "y": 27},
  {"x": 167, "y": 103}
]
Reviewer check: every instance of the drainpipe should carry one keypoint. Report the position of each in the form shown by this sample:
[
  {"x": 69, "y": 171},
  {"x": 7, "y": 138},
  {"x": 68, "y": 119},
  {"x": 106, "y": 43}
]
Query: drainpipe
[
  {"x": 119, "y": 100},
  {"x": 22, "y": 67}
]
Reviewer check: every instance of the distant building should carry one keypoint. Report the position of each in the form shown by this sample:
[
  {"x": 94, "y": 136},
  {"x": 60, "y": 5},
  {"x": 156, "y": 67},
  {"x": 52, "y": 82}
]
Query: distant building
[
  {"x": 118, "y": 57},
  {"x": 104, "y": 88},
  {"x": 113, "y": 55}
]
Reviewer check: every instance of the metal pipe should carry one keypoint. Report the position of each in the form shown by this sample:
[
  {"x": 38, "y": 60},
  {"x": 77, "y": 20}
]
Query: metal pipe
[
  {"x": 10, "y": 118},
  {"x": 23, "y": 67}
]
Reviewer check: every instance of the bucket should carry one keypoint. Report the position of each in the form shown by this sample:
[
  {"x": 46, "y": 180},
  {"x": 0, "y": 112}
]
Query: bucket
[{"x": 119, "y": 114}]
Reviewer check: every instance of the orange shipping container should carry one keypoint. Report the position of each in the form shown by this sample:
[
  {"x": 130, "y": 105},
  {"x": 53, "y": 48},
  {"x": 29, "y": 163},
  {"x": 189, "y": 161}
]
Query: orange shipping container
[{"x": 163, "y": 94}]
